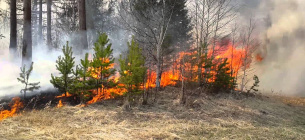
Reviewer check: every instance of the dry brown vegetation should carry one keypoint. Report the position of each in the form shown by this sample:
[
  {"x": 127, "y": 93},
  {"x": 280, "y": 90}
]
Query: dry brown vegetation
[{"x": 203, "y": 117}]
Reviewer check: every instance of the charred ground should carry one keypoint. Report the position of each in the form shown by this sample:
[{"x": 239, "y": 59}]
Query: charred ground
[{"x": 227, "y": 116}]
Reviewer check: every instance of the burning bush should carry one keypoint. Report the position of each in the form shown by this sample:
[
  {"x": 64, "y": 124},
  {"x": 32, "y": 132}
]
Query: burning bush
[
  {"x": 91, "y": 79},
  {"x": 102, "y": 67}
]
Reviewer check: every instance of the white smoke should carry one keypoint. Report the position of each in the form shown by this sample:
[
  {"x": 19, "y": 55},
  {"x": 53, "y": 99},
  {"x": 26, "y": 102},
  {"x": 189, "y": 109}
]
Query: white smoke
[
  {"x": 44, "y": 65},
  {"x": 283, "y": 68}
]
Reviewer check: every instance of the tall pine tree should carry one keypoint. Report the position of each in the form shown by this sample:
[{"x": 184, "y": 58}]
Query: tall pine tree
[{"x": 179, "y": 27}]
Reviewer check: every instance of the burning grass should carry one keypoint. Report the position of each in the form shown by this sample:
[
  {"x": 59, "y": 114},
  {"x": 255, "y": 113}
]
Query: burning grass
[
  {"x": 203, "y": 117},
  {"x": 15, "y": 105}
]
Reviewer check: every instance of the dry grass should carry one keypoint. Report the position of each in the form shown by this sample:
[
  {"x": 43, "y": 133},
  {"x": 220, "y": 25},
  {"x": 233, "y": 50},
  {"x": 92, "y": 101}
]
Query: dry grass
[{"x": 202, "y": 118}]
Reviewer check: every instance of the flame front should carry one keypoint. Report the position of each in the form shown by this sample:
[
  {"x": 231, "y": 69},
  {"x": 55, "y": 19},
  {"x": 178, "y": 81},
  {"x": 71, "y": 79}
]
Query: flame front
[
  {"x": 105, "y": 93},
  {"x": 14, "y": 109},
  {"x": 170, "y": 76},
  {"x": 235, "y": 59}
]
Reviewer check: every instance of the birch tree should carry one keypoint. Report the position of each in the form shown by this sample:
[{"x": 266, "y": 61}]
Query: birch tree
[
  {"x": 210, "y": 18},
  {"x": 149, "y": 22},
  {"x": 249, "y": 45}
]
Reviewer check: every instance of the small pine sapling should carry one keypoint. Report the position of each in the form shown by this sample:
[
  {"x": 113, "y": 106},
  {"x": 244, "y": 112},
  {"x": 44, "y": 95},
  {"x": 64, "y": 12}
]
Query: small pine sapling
[
  {"x": 102, "y": 65},
  {"x": 223, "y": 79},
  {"x": 132, "y": 69},
  {"x": 82, "y": 83},
  {"x": 255, "y": 85},
  {"x": 65, "y": 66},
  {"x": 24, "y": 77}
]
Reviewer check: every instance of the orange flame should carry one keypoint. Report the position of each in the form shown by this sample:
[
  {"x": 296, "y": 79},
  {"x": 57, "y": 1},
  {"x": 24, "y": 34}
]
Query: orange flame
[
  {"x": 14, "y": 109},
  {"x": 233, "y": 55},
  {"x": 64, "y": 95},
  {"x": 170, "y": 77},
  {"x": 104, "y": 94},
  {"x": 259, "y": 58},
  {"x": 59, "y": 105}
]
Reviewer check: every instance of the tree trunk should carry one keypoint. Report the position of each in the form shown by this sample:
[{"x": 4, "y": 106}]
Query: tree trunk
[
  {"x": 158, "y": 78},
  {"x": 198, "y": 47},
  {"x": 27, "y": 34},
  {"x": 34, "y": 18},
  {"x": 40, "y": 38},
  {"x": 82, "y": 23},
  {"x": 13, "y": 34},
  {"x": 182, "y": 99},
  {"x": 49, "y": 14},
  {"x": 145, "y": 92}
]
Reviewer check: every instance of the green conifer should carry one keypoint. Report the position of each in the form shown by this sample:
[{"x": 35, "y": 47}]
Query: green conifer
[
  {"x": 223, "y": 79},
  {"x": 65, "y": 66},
  {"x": 24, "y": 77},
  {"x": 83, "y": 82},
  {"x": 132, "y": 68},
  {"x": 103, "y": 61}
]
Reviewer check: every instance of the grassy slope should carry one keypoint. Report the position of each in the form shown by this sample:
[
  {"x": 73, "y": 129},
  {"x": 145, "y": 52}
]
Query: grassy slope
[{"x": 203, "y": 117}]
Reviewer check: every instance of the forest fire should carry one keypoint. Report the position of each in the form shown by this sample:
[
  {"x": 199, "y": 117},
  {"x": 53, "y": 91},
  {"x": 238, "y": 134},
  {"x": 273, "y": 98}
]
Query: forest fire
[
  {"x": 169, "y": 77},
  {"x": 16, "y": 105},
  {"x": 233, "y": 55}
]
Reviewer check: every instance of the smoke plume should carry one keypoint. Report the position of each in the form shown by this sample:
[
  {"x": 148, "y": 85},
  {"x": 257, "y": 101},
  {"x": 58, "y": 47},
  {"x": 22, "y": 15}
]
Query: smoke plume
[{"x": 282, "y": 70}]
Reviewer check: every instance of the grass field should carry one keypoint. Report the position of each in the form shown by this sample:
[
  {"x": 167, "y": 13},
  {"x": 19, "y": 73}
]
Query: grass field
[{"x": 203, "y": 117}]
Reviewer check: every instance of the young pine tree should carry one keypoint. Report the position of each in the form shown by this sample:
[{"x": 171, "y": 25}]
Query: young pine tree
[
  {"x": 204, "y": 64},
  {"x": 24, "y": 77},
  {"x": 223, "y": 79},
  {"x": 255, "y": 85},
  {"x": 103, "y": 61},
  {"x": 65, "y": 66},
  {"x": 132, "y": 69},
  {"x": 82, "y": 83}
]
